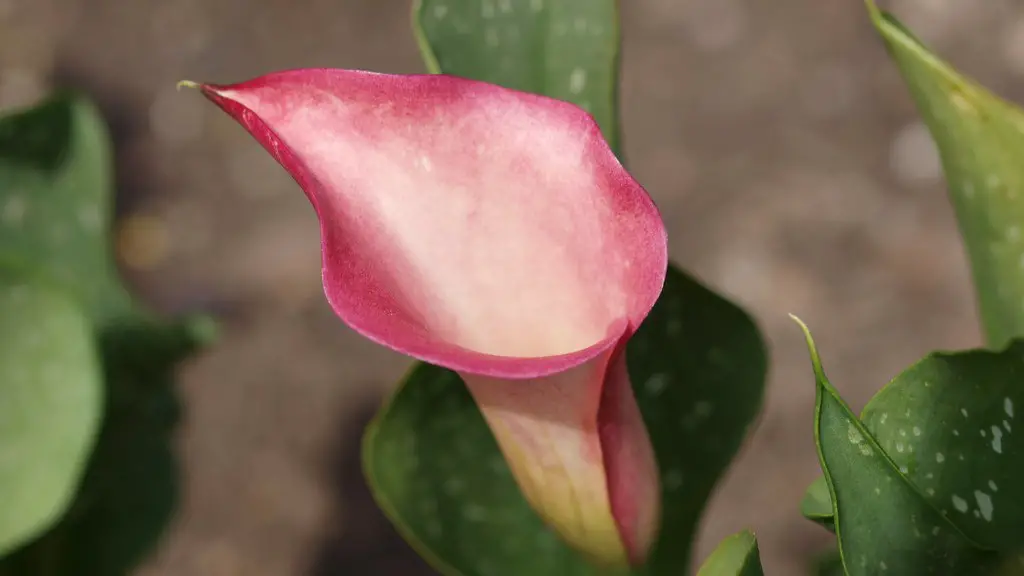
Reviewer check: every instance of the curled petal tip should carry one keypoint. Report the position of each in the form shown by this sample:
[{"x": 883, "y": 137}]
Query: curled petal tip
[{"x": 188, "y": 84}]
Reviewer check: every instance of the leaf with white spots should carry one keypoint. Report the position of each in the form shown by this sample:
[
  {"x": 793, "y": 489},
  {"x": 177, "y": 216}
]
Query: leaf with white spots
[
  {"x": 737, "y": 555},
  {"x": 966, "y": 460},
  {"x": 697, "y": 365},
  {"x": 947, "y": 423},
  {"x": 565, "y": 49},
  {"x": 56, "y": 196},
  {"x": 883, "y": 521},
  {"x": 51, "y": 399},
  {"x": 980, "y": 139}
]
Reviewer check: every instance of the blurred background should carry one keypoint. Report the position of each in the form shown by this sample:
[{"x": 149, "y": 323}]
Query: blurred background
[{"x": 778, "y": 139}]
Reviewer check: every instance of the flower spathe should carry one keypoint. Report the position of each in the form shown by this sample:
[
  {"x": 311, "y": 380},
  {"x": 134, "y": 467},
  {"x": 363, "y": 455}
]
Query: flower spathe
[{"x": 494, "y": 233}]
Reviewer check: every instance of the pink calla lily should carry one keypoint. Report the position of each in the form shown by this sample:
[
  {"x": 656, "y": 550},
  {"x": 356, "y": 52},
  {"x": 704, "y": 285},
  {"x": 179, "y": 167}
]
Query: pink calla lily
[{"x": 494, "y": 233}]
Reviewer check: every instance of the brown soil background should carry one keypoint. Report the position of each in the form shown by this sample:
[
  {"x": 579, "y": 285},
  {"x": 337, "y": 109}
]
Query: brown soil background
[{"x": 776, "y": 136}]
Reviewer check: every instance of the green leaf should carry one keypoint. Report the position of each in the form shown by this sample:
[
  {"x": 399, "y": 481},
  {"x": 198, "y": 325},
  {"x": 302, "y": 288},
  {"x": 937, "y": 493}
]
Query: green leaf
[
  {"x": 51, "y": 399},
  {"x": 55, "y": 202},
  {"x": 737, "y": 555},
  {"x": 981, "y": 141},
  {"x": 565, "y": 49},
  {"x": 697, "y": 365},
  {"x": 56, "y": 190},
  {"x": 884, "y": 521},
  {"x": 817, "y": 504}
]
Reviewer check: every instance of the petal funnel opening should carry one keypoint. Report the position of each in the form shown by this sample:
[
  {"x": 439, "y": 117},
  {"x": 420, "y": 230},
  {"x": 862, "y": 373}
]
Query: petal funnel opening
[{"x": 492, "y": 232}]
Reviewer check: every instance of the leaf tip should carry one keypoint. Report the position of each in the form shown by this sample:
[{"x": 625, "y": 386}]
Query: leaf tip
[{"x": 819, "y": 373}]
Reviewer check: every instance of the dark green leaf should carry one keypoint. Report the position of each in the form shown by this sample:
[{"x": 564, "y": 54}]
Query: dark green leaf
[
  {"x": 565, "y": 49},
  {"x": 948, "y": 424},
  {"x": 55, "y": 203},
  {"x": 884, "y": 523},
  {"x": 51, "y": 399},
  {"x": 437, "y": 471},
  {"x": 981, "y": 141},
  {"x": 737, "y": 555}
]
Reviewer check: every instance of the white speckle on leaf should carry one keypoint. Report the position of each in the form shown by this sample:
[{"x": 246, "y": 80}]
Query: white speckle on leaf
[
  {"x": 917, "y": 431},
  {"x": 491, "y": 37},
  {"x": 984, "y": 504},
  {"x": 580, "y": 25},
  {"x": 930, "y": 491},
  {"x": 675, "y": 327},
  {"x": 992, "y": 486},
  {"x": 1008, "y": 406},
  {"x": 577, "y": 80},
  {"x": 903, "y": 432},
  {"x": 474, "y": 512},
  {"x": 656, "y": 384},
  {"x": 929, "y": 475},
  {"x": 878, "y": 490},
  {"x": 853, "y": 434},
  {"x": 865, "y": 450},
  {"x": 1006, "y": 425},
  {"x": 968, "y": 189},
  {"x": 997, "y": 440},
  {"x": 90, "y": 218},
  {"x": 883, "y": 566},
  {"x": 899, "y": 447},
  {"x": 964, "y": 412},
  {"x": 993, "y": 181},
  {"x": 956, "y": 432},
  {"x": 885, "y": 416},
  {"x": 959, "y": 503},
  {"x": 440, "y": 11},
  {"x": 983, "y": 433},
  {"x": 453, "y": 486},
  {"x": 14, "y": 210},
  {"x": 903, "y": 469},
  {"x": 939, "y": 457}
]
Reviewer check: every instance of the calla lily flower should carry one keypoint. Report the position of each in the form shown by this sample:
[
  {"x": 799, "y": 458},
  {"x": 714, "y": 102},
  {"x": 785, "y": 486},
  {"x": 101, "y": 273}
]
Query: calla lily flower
[{"x": 494, "y": 233}]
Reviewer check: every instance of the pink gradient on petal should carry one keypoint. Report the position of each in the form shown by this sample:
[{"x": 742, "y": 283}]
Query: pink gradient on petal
[{"x": 467, "y": 225}]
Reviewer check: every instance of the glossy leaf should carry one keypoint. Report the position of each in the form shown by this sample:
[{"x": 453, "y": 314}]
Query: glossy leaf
[
  {"x": 51, "y": 399},
  {"x": 737, "y": 555},
  {"x": 565, "y": 49},
  {"x": 56, "y": 200},
  {"x": 436, "y": 469},
  {"x": 884, "y": 521},
  {"x": 981, "y": 141}
]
